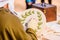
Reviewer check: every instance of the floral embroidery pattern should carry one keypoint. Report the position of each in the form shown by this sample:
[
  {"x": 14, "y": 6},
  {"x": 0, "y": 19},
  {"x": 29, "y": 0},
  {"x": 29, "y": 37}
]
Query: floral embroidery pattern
[{"x": 30, "y": 12}]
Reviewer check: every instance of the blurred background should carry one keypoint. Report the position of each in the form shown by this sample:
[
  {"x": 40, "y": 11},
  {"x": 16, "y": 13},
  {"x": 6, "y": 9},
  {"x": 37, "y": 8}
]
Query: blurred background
[{"x": 21, "y": 6}]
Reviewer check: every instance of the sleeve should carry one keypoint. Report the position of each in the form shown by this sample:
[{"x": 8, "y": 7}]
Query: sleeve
[
  {"x": 12, "y": 29},
  {"x": 31, "y": 33},
  {"x": 28, "y": 1}
]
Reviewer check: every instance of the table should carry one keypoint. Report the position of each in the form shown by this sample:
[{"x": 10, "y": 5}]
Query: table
[
  {"x": 49, "y": 11},
  {"x": 54, "y": 25},
  {"x": 53, "y": 34}
]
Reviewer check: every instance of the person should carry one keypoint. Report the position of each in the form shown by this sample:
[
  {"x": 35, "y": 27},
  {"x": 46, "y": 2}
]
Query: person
[
  {"x": 11, "y": 27},
  {"x": 42, "y": 1},
  {"x": 49, "y": 1},
  {"x": 10, "y": 6},
  {"x": 29, "y": 3}
]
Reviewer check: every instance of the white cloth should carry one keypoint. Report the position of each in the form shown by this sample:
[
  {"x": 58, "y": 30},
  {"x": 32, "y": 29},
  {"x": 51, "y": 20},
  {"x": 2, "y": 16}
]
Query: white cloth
[
  {"x": 3, "y": 2},
  {"x": 11, "y": 8},
  {"x": 54, "y": 26},
  {"x": 11, "y": 5}
]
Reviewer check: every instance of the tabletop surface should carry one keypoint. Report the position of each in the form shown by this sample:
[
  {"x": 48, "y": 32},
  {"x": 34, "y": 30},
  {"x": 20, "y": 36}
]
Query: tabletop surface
[
  {"x": 46, "y": 5},
  {"x": 54, "y": 25},
  {"x": 53, "y": 34}
]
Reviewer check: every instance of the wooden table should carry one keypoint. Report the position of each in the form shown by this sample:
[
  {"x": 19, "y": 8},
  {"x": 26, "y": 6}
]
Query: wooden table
[{"x": 50, "y": 11}]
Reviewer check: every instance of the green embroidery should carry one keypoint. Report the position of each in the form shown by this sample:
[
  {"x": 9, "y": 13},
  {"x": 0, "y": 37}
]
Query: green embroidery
[
  {"x": 26, "y": 14},
  {"x": 38, "y": 13},
  {"x": 40, "y": 18},
  {"x": 38, "y": 27},
  {"x": 23, "y": 16},
  {"x": 30, "y": 13},
  {"x": 35, "y": 30},
  {"x": 39, "y": 23},
  {"x": 22, "y": 19}
]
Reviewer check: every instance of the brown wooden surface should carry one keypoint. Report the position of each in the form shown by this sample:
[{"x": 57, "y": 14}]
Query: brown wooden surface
[{"x": 50, "y": 12}]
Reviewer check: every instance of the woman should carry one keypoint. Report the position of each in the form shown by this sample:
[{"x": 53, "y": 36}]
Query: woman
[
  {"x": 29, "y": 3},
  {"x": 49, "y": 1}
]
